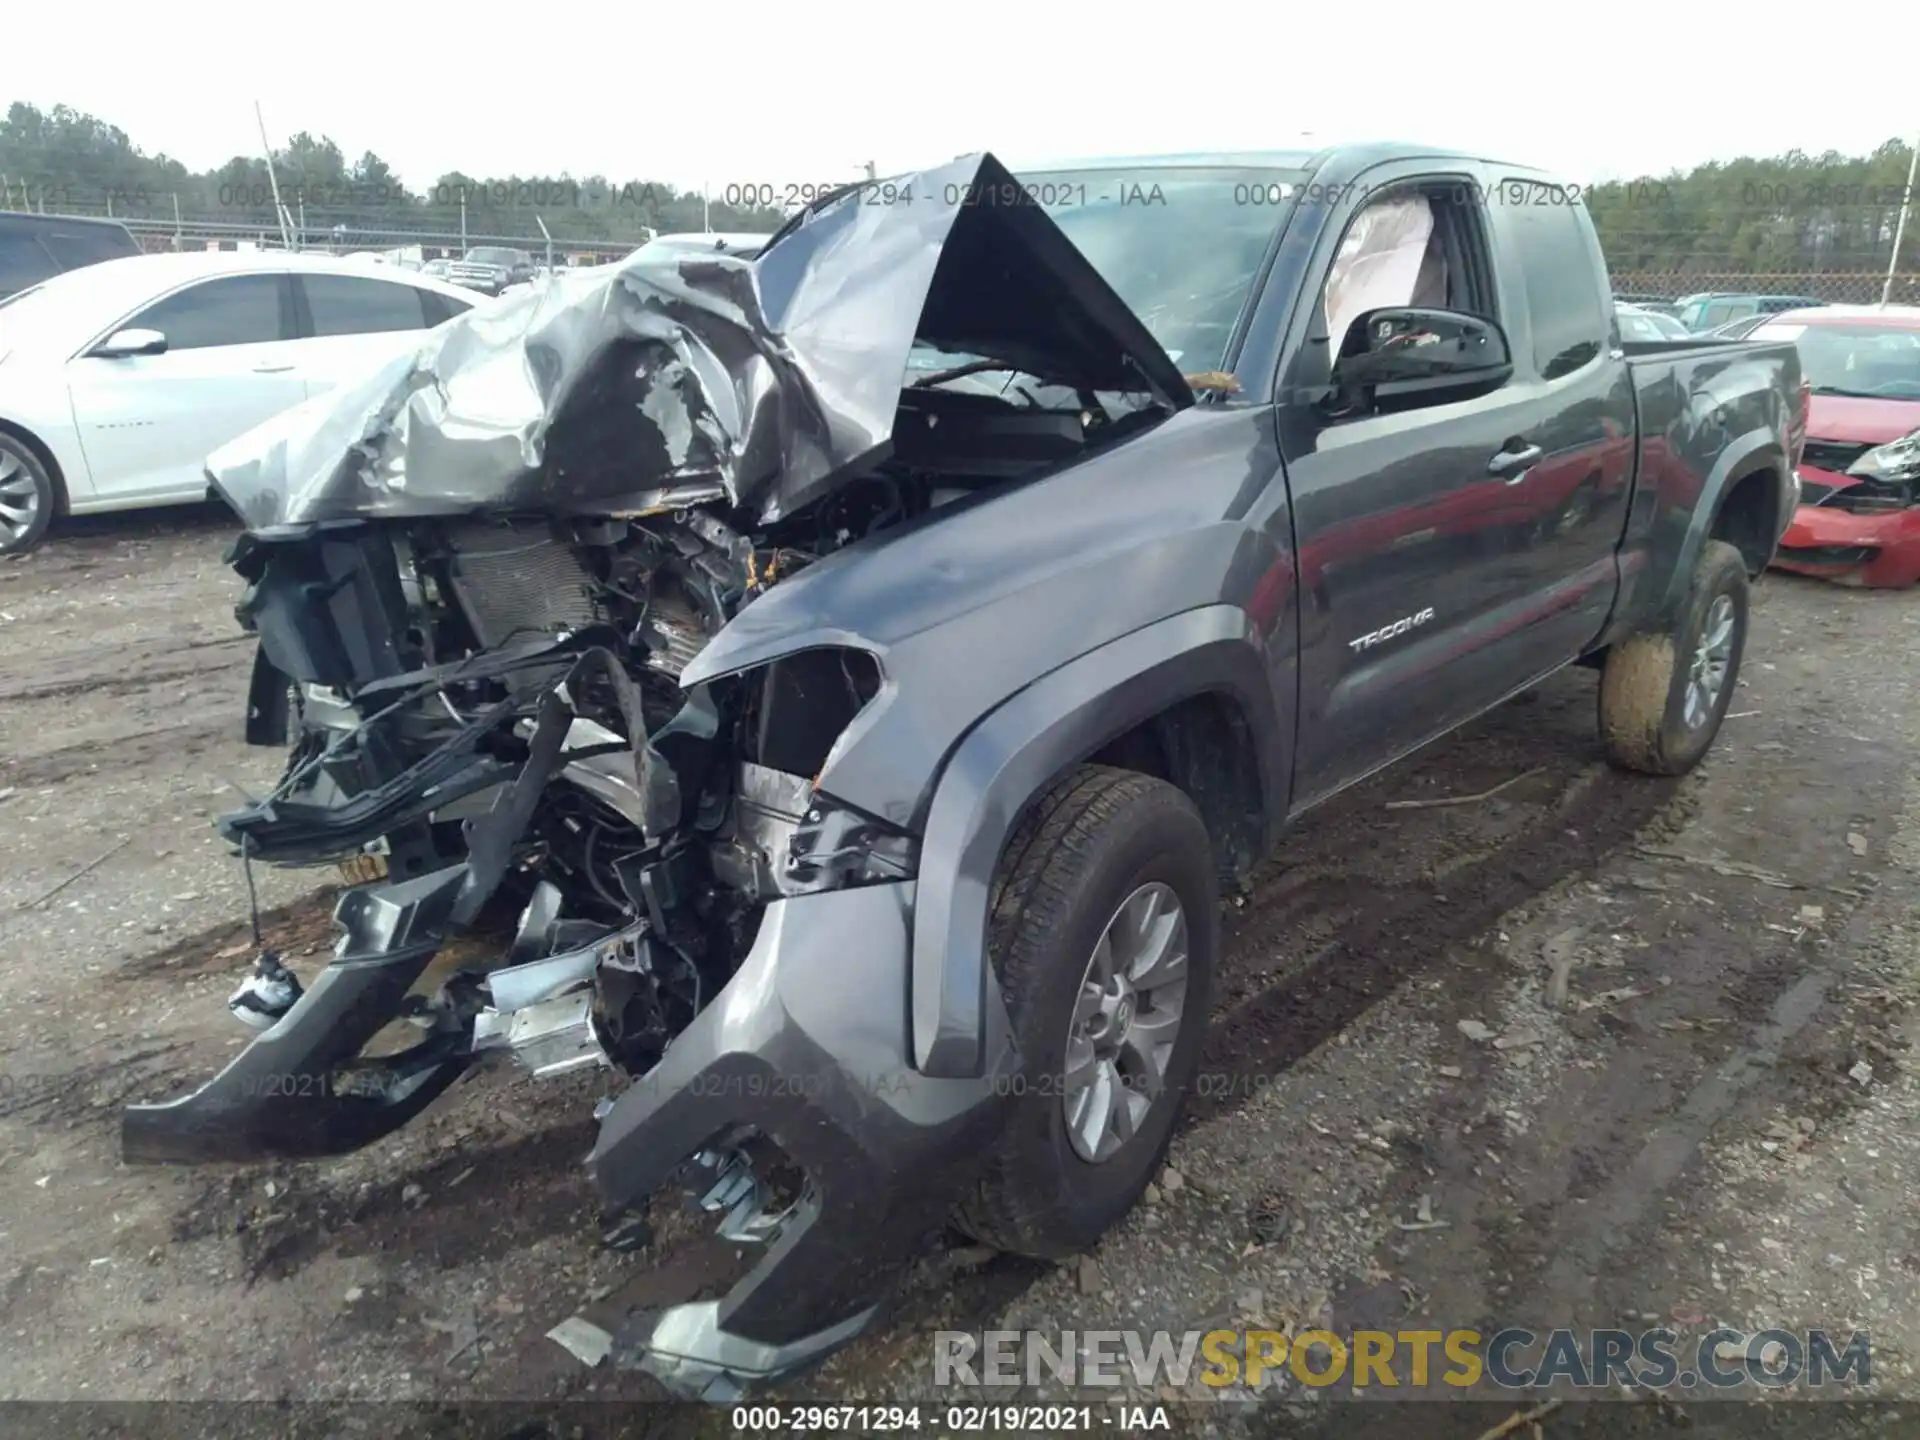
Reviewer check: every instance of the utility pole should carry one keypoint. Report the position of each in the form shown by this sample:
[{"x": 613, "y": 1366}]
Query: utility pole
[
  {"x": 706, "y": 209},
  {"x": 463, "y": 220},
  {"x": 273, "y": 180},
  {"x": 177, "y": 238},
  {"x": 870, "y": 174},
  {"x": 1900, "y": 225}
]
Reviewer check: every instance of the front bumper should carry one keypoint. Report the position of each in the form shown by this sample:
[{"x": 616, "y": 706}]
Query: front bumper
[
  {"x": 1878, "y": 551},
  {"x": 808, "y": 1047},
  {"x": 300, "y": 1090}
]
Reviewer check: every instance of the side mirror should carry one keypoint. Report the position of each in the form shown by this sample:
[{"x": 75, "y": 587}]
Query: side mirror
[
  {"x": 1401, "y": 351},
  {"x": 123, "y": 343}
]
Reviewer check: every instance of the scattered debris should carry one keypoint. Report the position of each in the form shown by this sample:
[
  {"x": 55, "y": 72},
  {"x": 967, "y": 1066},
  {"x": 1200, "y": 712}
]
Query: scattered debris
[
  {"x": 1271, "y": 1221},
  {"x": 1451, "y": 1072},
  {"x": 1475, "y": 1031},
  {"x": 1515, "y": 1042},
  {"x": 970, "y": 1257},
  {"x": 1091, "y": 1280},
  {"x": 8, "y": 792},
  {"x": 355, "y": 1295},
  {"x": 1464, "y": 799},
  {"x": 1856, "y": 842},
  {"x": 1152, "y": 1194},
  {"x": 468, "y": 1333},
  {"x": 1725, "y": 867},
  {"x": 1812, "y": 914},
  {"x": 582, "y": 1339},
  {"x": 1861, "y": 1073},
  {"x": 81, "y": 873},
  {"x": 1561, "y": 957},
  {"x": 1520, "y": 1419},
  {"x": 1172, "y": 1181},
  {"x": 1608, "y": 997},
  {"x": 1423, "y": 1218}
]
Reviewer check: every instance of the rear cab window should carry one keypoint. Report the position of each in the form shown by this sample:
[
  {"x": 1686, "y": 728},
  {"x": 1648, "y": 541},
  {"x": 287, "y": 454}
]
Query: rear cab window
[{"x": 1561, "y": 272}]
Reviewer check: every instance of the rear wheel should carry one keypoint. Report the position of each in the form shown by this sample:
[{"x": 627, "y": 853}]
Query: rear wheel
[
  {"x": 26, "y": 497},
  {"x": 1104, "y": 927},
  {"x": 1662, "y": 697}
]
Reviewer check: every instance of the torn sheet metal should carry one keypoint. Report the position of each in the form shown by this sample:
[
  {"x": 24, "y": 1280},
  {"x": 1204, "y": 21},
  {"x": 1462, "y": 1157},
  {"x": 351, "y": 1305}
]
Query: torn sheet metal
[{"x": 668, "y": 380}]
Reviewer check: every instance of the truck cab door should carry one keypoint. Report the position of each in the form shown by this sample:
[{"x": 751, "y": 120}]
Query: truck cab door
[{"x": 1423, "y": 596}]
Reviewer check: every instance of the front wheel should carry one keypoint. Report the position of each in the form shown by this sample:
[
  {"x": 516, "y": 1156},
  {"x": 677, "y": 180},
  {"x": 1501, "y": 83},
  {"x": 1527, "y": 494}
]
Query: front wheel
[
  {"x": 1662, "y": 697},
  {"x": 1104, "y": 927},
  {"x": 26, "y": 497}
]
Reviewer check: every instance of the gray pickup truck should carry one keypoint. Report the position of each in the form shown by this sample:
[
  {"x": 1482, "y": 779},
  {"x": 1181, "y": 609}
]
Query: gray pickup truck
[{"x": 861, "y": 668}]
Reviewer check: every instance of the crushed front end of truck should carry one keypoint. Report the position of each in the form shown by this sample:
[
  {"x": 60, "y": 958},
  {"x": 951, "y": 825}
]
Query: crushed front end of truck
[{"x": 486, "y": 583}]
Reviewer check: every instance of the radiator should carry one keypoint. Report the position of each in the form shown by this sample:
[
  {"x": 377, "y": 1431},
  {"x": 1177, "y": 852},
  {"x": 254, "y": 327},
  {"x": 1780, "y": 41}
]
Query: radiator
[{"x": 517, "y": 583}]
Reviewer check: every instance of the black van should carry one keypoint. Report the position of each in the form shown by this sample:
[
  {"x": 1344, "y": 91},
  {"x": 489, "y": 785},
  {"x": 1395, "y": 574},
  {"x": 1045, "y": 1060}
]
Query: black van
[{"x": 35, "y": 247}]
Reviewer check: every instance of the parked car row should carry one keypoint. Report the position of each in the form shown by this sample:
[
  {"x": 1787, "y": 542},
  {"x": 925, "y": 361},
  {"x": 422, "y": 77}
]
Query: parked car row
[{"x": 1717, "y": 312}]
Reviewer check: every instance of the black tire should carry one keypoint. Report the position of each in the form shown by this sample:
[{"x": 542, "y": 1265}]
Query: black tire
[
  {"x": 21, "y": 467},
  {"x": 1085, "y": 846},
  {"x": 1643, "y": 688}
]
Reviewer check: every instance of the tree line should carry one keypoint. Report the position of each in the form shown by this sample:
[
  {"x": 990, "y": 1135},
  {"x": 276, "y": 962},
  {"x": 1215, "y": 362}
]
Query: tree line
[
  {"x": 67, "y": 161},
  {"x": 1773, "y": 214},
  {"x": 1770, "y": 215}
]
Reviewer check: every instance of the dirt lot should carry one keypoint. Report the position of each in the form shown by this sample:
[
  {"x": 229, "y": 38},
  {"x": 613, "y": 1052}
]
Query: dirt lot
[{"x": 1691, "y": 1103}]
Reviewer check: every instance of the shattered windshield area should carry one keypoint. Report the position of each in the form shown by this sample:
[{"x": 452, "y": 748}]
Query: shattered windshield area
[
  {"x": 1181, "y": 245},
  {"x": 1868, "y": 360}
]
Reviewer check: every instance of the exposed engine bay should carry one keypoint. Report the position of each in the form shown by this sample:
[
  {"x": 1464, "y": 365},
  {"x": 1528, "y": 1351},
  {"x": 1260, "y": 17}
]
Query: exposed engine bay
[{"x": 671, "y": 818}]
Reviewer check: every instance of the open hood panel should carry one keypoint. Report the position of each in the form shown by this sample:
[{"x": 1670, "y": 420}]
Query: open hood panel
[{"x": 666, "y": 381}]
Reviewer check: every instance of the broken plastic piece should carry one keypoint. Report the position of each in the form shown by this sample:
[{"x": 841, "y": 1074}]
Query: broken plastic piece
[{"x": 265, "y": 995}]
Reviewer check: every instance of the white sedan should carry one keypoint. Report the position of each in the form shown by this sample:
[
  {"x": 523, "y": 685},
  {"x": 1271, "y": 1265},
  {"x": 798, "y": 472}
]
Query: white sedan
[{"x": 117, "y": 380}]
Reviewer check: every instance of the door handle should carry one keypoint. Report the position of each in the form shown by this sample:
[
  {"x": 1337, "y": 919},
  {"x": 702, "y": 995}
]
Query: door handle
[
  {"x": 272, "y": 369},
  {"x": 1511, "y": 463}
]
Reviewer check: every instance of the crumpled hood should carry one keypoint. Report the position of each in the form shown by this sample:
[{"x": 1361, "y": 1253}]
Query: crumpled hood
[{"x": 668, "y": 380}]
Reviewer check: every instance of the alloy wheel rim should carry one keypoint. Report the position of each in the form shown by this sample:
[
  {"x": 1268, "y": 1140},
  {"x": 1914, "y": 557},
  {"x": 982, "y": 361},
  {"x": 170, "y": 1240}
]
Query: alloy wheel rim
[
  {"x": 1126, "y": 1019},
  {"x": 1712, "y": 658},
  {"x": 19, "y": 500}
]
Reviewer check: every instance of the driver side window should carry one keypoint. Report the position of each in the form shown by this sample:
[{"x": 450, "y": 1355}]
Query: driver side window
[{"x": 1421, "y": 245}]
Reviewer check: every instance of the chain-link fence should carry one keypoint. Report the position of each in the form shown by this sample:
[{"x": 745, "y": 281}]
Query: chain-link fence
[
  {"x": 167, "y": 235},
  {"x": 1835, "y": 286}
]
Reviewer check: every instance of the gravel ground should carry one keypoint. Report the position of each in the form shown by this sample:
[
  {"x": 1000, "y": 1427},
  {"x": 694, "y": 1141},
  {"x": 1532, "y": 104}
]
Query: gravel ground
[{"x": 1689, "y": 1100}]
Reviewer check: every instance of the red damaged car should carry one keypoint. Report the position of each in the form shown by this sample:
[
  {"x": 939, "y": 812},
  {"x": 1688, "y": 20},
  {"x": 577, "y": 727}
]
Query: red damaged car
[{"x": 1859, "y": 516}]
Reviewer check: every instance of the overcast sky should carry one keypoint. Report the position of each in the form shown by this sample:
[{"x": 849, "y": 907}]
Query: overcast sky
[{"x": 803, "y": 91}]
